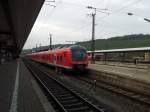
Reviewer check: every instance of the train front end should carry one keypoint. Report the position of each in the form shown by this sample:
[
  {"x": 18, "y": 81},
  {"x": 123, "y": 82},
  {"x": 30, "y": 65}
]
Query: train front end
[{"x": 79, "y": 58}]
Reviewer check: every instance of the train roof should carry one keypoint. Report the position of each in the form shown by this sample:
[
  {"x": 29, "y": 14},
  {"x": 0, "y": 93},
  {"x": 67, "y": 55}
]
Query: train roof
[
  {"x": 123, "y": 50},
  {"x": 58, "y": 49},
  {"x": 69, "y": 46},
  {"x": 64, "y": 46}
]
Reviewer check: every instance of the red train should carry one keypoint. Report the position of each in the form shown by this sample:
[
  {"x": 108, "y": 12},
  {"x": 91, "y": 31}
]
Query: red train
[{"x": 74, "y": 57}]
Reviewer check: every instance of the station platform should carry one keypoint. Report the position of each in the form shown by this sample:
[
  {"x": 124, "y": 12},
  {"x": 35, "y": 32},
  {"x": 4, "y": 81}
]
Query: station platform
[
  {"x": 129, "y": 76},
  {"x": 139, "y": 72},
  {"x": 19, "y": 90}
]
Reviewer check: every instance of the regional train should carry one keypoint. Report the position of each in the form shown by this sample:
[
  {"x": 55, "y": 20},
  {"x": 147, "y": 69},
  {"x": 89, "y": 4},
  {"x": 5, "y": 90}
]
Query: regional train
[{"x": 73, "y": 57}]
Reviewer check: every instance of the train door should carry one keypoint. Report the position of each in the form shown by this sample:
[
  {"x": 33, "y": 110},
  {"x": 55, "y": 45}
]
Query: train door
[
  {"x": 65, "y": 58},
  {"x": 55, "y": 58}
]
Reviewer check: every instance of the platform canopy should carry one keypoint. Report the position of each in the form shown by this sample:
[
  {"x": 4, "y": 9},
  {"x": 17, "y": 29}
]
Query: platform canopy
[{"x": 16, "y": 20}]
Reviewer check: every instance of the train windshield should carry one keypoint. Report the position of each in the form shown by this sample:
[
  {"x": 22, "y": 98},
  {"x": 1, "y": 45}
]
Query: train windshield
[{"x": 78, "y": 53}]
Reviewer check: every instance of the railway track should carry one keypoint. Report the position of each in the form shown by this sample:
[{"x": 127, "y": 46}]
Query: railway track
[
  {"x": 65, "y": 99},
  {"x": 138, "y": 97}
]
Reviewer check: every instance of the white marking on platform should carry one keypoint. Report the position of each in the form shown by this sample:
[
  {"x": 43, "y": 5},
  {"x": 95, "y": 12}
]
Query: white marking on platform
[{"x": 13, "y": 107}]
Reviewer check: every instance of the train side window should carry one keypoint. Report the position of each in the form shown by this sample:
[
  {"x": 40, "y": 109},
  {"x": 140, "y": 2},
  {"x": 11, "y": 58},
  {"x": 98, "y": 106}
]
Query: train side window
[
  {"x": 53, "y": 57},
  {"x": 57, "y": 58},
  {"x": 50, "y": 57},
  {"x": 64, "y": 54},
  {"x": 60, "y": 58}
]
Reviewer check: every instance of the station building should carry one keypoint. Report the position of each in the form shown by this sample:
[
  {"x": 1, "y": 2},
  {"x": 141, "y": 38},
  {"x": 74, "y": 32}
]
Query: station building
[{"x": 141, "y": 54}]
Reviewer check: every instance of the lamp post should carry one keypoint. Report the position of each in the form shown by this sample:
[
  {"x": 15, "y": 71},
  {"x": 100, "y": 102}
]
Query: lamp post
[{"x": 50, "y": 42}]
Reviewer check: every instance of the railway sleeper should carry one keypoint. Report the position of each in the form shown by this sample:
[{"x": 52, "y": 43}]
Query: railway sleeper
[
  {"x": 66, "y": 102},
  {"x": 145, "y": 99},
  {"x": 74, "y": 105},
  {"x": 58, "y": 93},
  {"x": 80, "y": 109},
  {"x": 67, "y": 98},
  {"x": 63, "y": 95}
]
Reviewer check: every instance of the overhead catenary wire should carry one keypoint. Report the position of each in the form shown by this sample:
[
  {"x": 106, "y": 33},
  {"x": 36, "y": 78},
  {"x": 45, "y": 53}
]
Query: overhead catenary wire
[
  {"x": 80, "y": 5},
  {"x": 122, "y": 8},
  {"x": 117, "y": 11}
]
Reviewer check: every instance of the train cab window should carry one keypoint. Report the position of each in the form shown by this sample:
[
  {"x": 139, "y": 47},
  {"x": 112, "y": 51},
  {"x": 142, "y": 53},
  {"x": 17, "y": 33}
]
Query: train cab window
[{"x": 78, "y": 53}]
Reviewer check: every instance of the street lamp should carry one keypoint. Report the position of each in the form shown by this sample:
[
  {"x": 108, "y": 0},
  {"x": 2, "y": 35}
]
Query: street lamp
[
  {"x": 131, "y": 14},
  {"x": 146, "y": 19}
]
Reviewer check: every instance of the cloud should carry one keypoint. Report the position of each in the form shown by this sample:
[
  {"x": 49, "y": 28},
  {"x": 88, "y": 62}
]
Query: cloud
[{"x": 68, "y": 21}]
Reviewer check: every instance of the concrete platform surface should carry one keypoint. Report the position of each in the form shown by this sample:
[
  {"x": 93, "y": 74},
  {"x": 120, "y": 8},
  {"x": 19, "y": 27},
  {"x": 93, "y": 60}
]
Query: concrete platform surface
[
  {"x": 19, "y": 90},
  {"x": 7, "y": 79},
  {"x": 123, "y": 64},
  {"x": 128, "y": 72}
]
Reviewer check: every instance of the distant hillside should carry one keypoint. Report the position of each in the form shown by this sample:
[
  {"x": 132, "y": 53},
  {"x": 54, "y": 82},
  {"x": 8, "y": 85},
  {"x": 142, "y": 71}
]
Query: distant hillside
[{"x": 127, "y": 41}]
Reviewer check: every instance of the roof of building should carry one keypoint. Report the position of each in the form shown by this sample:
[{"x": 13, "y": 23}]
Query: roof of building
[{"x": 123, "y": 50}]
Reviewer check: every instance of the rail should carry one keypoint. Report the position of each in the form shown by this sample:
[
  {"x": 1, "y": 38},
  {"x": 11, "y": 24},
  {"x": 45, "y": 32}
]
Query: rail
[{"x": 65, "y": 98}]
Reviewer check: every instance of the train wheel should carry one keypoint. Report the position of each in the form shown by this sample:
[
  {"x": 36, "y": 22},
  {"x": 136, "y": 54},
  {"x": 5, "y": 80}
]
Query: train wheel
[{"x": 56, "y": 69}]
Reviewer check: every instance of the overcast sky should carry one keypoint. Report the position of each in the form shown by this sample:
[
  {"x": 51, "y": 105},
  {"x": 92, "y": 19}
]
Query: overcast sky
[{"x": 69, "y": 20}]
